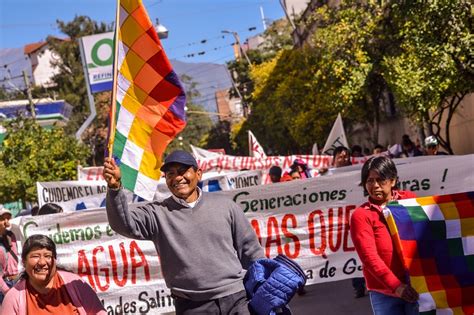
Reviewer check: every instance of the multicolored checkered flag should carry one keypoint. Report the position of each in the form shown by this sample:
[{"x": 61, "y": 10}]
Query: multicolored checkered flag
[
  {"x": 149, "y": 98},
  {"x": 435, "y": 236}
]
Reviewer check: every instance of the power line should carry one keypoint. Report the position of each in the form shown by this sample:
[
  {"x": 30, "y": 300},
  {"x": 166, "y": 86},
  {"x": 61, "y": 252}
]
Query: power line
[
  {"x": 5, "y": 79},
  {"x": 203, "y": 52},
  {"x": 14, "y": 61},
  {"x": 202, "y": 42},
  {"x": 206, "y": 41}
]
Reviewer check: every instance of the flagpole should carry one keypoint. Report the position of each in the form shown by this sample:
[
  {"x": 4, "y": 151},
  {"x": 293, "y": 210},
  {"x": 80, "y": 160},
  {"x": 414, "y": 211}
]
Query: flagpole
[{"x": 113, "y": 107}]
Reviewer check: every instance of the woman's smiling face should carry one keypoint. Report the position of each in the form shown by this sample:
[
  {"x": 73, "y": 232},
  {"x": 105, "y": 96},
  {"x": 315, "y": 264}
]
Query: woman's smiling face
[{"x": 40, "y": 265}]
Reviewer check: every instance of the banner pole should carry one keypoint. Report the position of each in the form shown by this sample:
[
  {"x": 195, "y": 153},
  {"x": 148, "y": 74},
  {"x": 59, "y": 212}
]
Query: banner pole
[{"x": 113, "y": 107}]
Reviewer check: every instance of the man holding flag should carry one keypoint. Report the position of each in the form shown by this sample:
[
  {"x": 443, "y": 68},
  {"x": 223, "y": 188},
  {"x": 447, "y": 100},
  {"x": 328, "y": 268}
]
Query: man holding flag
[{"x": 205, "y": 244}]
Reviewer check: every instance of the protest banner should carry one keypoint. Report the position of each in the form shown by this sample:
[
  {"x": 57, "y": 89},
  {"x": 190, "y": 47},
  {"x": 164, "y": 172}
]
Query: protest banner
[
  {"x": 235, "y": 180},
  {"x": 200, "y": 153},
  {"x": 68, "y": 194},
  {"x": 212, "y": 182},
  {"x": 90, "y": 173},
  {"x": 90, "y": 194},
  {"x": 213, "y": 179},
  {"x": 217, "y": 167},
  {"x": 76, "y": 195},
  {"x": 227, "y": 163},
  {"x": 244, "y": 179},
  {"x": 236, "y": 163},
  {"x": 307, "y": 220},
  {"x": 125, "y": 273}
]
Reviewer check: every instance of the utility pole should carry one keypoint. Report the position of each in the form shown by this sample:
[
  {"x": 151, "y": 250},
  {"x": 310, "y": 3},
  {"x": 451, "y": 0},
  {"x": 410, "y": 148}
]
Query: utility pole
[
  {"x": 245, "y": 108},
  {"x": 292, "y": 23},
  {"x": 237, "y": 40},
  {"x": 30, "y": 97},
  {"x": 263, "y": 19}
]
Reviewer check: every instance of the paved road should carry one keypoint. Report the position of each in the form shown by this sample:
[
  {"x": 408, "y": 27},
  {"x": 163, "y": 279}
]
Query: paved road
[{"x": 331, "y": 298}]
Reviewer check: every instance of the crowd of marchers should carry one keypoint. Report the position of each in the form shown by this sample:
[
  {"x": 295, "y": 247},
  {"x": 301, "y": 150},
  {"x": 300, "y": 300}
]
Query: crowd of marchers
[{"x": 237, "y": 278}]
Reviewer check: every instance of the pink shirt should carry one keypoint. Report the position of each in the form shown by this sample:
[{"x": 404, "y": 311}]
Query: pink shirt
[
  {"x": 81, "y": 294},
  {"x": 8, "y": 264}
]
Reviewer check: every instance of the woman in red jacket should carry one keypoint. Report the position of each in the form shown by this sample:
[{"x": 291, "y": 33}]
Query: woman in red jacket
[{"x": 384, "y": 273}]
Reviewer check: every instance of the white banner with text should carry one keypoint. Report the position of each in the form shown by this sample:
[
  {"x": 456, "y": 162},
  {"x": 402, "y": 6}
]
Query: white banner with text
[{"x": 307, "y": 220}]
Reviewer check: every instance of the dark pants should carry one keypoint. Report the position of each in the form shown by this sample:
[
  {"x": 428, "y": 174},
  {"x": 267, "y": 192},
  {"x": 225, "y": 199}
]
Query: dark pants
[
  {"x": 358, "y": 284},
  {"x": 233, "y": 304}
]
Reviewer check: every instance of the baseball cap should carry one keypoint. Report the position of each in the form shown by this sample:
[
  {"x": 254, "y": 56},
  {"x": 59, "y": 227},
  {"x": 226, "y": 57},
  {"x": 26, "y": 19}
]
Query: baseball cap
[
  {"x": 179, "y": 156},
  {"x": 431, "y": 141},
  {"x": 4, "y": 210}
]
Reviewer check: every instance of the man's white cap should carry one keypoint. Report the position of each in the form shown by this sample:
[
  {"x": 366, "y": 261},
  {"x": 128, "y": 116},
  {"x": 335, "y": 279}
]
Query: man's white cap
[
  {"x": 431, "y": 141},
  {"x": 4, "y": 210}
]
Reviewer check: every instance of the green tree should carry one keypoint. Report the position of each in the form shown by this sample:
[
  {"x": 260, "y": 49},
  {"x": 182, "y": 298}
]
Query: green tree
[
  {"x": 4, "y": 95},
  {"x": 70, "y": 79},
  {"x": 219, "y": 137},
  {"x": 298, "y": 94},
  {"x": 362, "y": 59},
  {"x": 351, "y": 40},
  {"x": 432, "y": 71},
  {"x": 280, "y": 91},
  {"x": 276, "y": 38},
  {"x": 31, "y": 153}
]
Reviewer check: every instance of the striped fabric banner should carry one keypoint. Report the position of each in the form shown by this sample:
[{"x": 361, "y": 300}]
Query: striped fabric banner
[
  {"x": 436, "y": 238},
  {"x": 150, "y": 100}
]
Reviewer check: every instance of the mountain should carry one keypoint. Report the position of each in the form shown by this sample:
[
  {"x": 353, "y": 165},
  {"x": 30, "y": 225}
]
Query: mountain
[
  {"x": 12, "y": 62},
  {"x": 209, "y": 77}
]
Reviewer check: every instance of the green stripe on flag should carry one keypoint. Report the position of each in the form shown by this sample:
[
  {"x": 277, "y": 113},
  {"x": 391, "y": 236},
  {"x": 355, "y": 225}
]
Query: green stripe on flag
[
  {"x": 129, "y": 177},
  {"x": 119, "y": 144},
  {"x": 117, "y": 111},
  {"x": 416, "y": 213}
]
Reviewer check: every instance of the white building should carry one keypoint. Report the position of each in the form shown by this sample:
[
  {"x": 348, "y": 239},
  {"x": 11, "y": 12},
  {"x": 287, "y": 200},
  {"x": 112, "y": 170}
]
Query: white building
[{"x": 41, "y": 57}]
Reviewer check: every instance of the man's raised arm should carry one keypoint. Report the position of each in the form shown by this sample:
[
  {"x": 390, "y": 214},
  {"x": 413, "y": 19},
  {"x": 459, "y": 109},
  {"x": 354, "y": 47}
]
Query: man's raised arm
[{"x": 134, "y": 224}]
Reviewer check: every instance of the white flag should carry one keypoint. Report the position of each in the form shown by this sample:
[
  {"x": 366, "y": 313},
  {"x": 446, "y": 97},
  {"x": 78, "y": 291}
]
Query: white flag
[
  {"x": 255, "y": 149},
  {"x": 337, "y": 137}
]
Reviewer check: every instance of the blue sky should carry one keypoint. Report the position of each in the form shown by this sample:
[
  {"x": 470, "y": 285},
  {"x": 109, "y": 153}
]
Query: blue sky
[{"x": 189, "y": 22}]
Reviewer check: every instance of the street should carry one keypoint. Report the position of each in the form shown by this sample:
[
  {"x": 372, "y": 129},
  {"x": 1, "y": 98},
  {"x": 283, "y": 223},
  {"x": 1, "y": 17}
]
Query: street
[{"x": 330, "y": 298}]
